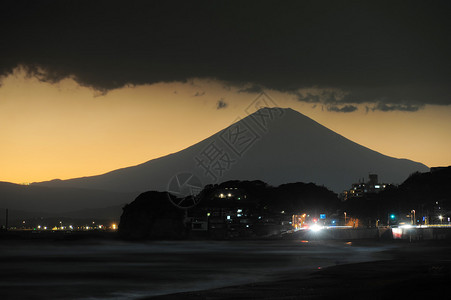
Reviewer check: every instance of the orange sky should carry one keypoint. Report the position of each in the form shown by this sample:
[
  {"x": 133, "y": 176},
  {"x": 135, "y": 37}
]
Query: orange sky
[{"x": 63, "y": 130}]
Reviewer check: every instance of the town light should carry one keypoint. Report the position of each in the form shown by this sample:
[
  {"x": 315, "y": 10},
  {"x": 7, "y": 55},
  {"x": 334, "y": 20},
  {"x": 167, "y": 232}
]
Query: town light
[{"x": 315, "y": 227}]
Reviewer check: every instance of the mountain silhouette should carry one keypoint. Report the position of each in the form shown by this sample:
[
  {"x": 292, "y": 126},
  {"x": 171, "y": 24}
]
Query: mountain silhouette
[
  {"x": 62, "y": 200},
  {"x": 275, "y": 145}
]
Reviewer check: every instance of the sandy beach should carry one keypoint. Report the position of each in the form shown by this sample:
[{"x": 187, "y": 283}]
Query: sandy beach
[
  {"x": 265, "y": 269},
  {"x": 416, "y": 271}
]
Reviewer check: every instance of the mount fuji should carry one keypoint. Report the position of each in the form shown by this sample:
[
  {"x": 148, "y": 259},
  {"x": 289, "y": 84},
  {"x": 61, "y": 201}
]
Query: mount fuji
[{"x": 275, "y": 145}]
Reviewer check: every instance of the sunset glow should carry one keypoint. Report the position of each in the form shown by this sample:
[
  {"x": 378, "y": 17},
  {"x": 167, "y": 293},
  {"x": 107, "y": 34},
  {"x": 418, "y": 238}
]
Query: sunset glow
[{"x": 64, "y": 130}]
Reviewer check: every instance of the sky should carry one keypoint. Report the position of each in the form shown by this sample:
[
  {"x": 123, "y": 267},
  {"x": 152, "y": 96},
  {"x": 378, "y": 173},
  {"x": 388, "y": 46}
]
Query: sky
[{"x": 87, "y": 87}]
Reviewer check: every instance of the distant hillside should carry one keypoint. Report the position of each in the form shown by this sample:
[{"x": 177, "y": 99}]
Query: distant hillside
[
  {"x": 290, "y": 197},
  {"x": 57, "y": 199},
  {"x": 428, "y": 193},
  {"x": 423, "y": 190},
  {"x": 152, "y": 216}
]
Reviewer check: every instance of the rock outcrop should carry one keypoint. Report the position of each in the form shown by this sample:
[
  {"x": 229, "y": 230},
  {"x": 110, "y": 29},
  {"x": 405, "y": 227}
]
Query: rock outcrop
[{"x": 152, "y": 216}]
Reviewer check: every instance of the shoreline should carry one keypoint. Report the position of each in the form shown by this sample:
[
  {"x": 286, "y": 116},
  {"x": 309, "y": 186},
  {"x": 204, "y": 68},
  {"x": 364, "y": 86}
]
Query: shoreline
[
  {"x": 265, "y": 269},
  {"x": 415, "y": 272}
]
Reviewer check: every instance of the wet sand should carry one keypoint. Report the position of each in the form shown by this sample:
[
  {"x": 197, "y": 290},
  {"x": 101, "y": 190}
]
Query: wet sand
[{"x": 419, "y": 270}]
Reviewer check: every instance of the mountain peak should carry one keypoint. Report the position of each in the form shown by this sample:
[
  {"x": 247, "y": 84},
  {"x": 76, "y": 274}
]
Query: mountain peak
[{"x": 276, "y": 145}]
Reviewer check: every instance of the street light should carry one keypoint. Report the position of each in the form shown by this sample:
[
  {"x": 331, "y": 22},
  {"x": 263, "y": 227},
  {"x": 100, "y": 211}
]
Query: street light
[
  {"x": 345, "y": 218},
  {"x": 414, "y": 221},
  {"x": 441, "y": 219}
]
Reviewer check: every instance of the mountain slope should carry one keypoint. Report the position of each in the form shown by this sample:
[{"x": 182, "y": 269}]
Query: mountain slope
[
  {"x": 57, "y": 199},
  {"x": 274, "y": 145}
]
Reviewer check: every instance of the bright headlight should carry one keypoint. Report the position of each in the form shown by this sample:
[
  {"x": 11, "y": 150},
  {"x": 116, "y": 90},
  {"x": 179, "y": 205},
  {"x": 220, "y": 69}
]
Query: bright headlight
[{"x": 315, "y": 227}]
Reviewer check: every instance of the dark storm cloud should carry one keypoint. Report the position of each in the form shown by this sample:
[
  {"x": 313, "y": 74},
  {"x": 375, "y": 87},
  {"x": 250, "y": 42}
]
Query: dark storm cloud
[
  {"x": 308, "y": 97},
  {"x": 320, "y": 96},
  {"x": 221, "y": 104},
  {"x": 252, "y": 89},
  {"x": 344, "y": 109},
  {"x": 389, "y": 52},
  {"x": 395, "y": 97},
  {"x": 393, "y": 107}
]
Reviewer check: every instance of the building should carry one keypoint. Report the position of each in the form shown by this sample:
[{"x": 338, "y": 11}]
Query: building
[{"x": 362, "y": 188}]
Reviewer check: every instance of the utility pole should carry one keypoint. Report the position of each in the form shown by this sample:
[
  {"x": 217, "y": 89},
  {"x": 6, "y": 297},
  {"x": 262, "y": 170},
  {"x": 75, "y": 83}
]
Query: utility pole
[{"x": 6, "y": 220}]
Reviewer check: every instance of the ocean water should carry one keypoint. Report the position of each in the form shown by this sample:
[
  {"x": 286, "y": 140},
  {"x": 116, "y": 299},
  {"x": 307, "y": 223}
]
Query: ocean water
[{"x": 122, "y": 270}]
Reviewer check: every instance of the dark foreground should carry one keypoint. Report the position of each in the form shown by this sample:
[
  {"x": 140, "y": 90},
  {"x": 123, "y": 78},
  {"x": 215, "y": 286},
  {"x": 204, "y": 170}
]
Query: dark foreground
[
  {"x": 273, "y": 269},
  {"x": 420, "y": 271}
]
